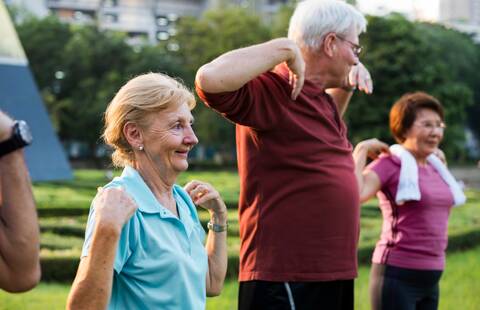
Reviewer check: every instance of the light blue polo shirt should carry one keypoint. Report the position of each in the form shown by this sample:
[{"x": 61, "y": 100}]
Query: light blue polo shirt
[{"x": 161, "y": 262}]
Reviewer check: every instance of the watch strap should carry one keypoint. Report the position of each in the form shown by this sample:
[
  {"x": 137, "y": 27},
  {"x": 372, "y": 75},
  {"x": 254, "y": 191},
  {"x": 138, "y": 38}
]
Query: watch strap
[
  {"x": 217, "y": 227},
  {"x": 13, "y": 143}
]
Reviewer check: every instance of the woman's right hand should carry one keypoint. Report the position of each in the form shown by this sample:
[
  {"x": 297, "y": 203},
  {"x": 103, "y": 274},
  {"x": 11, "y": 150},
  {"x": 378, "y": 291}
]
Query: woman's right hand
[
  {"x": 113, "y": 208},
  {"x": 373, "y": 147}
]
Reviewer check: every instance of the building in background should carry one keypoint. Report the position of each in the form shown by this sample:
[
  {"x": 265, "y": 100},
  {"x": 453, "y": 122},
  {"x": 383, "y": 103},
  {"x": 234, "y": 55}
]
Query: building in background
[
  {"x": 460, "y": 11},
  {"x": 144, "y": 21},
  {"x": 425, "y": 10},
  {"x": 38, "y": 8},
  {"x": 463, "y": 15}
]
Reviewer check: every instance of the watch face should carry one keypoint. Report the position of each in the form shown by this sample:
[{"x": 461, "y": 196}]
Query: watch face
[{"x": 24, "y": 131}]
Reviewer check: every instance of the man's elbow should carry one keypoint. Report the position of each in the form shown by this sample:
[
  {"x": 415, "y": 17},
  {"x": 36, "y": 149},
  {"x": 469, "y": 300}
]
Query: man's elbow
[
  {"x": 23, "y": 281},
  {"x": 203, "y": 78},
  {"x": 209, "y": 80}
]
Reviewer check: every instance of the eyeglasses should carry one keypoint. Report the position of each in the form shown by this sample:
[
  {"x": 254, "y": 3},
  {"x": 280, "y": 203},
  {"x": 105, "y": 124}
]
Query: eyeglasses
[
  {"x": 432, "y": 126},
  {"x": 356, "y": 49}
]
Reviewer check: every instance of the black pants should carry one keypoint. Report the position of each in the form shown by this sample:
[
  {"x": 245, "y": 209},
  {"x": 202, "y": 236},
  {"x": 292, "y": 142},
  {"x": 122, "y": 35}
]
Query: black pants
[
  {"x": 265, "y": 295},
  {"x": 396, "y": 288}
]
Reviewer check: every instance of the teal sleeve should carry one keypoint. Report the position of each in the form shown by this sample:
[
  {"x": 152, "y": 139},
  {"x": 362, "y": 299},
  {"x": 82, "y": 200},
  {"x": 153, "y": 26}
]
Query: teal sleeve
[
  {"x": 124, "y": 250},
  {"x": 125, "y": 243},
  {"x": 89, "y": 231}
]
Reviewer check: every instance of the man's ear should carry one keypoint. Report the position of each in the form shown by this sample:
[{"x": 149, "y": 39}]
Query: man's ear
[
  {"x": 330, "y": 44},
  {"x": 133, "y": 134}
]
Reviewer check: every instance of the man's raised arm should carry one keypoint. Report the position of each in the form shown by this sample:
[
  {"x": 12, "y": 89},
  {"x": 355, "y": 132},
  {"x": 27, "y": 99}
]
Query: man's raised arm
[{"x": 234, "y": 69}]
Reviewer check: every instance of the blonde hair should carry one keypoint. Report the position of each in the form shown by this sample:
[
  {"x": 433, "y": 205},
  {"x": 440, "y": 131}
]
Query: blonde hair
[{"x": 135, "y": 102}]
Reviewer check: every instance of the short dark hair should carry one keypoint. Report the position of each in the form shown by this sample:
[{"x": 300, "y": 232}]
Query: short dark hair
[{"x": 404, "y": 112}]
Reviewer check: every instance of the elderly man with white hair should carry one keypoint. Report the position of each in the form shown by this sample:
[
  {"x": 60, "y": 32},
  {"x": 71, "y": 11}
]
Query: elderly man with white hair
[{"x": 299, "y": 201}]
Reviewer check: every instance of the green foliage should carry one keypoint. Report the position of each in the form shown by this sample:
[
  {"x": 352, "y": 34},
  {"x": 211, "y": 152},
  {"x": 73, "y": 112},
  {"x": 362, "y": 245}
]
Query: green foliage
[
  {"x": 403, "y": 57},
  {"x": 281, "y": 20},
  {"x": 216, "y": 32},
  {"x": 43, "y": 41},
  {"x": 59, "y": 269},
  {"x": 79, "y": 69},
  {"x": 202, "y": 40}
]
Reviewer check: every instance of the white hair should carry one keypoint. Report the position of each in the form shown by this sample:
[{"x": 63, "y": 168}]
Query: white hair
[{"x": 314, "y": 19}]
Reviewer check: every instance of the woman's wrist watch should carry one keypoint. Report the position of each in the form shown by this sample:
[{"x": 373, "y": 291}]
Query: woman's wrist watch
[
  {"x": 21, "y": 137},
  {"x": 217, "y": 227}
]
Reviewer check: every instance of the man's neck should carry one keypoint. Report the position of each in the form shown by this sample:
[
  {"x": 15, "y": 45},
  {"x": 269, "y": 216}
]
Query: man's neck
[{"x": 316, "y": 70}]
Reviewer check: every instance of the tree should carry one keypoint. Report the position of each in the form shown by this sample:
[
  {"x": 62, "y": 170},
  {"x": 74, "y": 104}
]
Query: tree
[
  {"x": 79, "y": 69},
  {"x": 403, "y": 56},
  {"x": 202, "y": 40},
  {"x": 281, "y": 19}
]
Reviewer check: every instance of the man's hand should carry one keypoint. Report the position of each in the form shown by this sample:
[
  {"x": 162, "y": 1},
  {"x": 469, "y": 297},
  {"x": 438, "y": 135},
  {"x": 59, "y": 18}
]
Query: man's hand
[
  {"x": 296, "y": 76},
  {"x": 113, "y": 208},
  {"x": 360, "y": 78},
  {"x": 6, "y": 124}
]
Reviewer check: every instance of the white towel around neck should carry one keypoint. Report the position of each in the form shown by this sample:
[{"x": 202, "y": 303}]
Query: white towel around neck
[{"x": 408, "y": 187}]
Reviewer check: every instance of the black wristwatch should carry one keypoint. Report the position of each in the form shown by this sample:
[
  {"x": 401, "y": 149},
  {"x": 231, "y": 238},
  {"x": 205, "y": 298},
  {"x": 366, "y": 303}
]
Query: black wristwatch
[{"x": 21, "y": 137}]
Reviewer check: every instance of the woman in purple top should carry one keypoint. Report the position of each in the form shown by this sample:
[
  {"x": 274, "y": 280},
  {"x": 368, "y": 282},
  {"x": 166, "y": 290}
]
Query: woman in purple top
[{"x": 410, "y": 256}]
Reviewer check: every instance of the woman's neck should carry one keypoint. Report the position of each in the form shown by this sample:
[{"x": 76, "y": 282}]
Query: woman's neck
[
  {"x": 420, "y": 159},
  {"x": 160, "y": 185}
]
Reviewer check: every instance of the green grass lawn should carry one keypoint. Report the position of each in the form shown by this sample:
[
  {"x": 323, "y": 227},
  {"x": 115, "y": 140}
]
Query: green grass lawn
[
  {"x": 62, "y": 236},
  {"x": 459, "y": 287}
]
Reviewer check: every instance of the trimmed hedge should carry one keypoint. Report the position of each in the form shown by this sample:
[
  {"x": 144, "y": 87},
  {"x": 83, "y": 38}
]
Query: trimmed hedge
[
  {"x": 63, "y": 269},
  {"x": 59, "y": 269},
  {"x": 64, "y": 230},
  {"x": 60, "y": 212}
]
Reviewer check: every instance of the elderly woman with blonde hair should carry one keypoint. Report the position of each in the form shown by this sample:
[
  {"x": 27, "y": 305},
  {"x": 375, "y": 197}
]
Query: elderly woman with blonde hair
[{"x": 144, "y": 242}]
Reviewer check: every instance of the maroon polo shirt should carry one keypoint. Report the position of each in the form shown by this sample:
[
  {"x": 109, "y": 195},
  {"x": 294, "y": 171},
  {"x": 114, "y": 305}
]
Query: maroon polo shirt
[{"x": 299, "y": 201}]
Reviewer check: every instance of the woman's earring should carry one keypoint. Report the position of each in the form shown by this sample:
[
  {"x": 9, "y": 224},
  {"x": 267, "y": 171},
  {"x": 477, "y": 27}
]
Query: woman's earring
[{"x": 140, "y": 148}]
